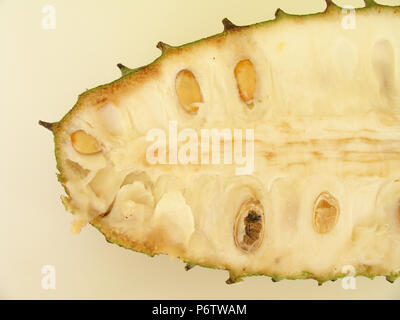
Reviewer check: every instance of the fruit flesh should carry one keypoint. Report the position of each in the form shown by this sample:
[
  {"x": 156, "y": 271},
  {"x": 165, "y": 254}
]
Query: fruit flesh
[{"x": 325, "y": 112}]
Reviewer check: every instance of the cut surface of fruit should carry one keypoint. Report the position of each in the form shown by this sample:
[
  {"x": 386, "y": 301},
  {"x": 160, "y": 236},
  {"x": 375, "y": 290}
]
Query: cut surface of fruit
[{"x": 322, "y": 103}]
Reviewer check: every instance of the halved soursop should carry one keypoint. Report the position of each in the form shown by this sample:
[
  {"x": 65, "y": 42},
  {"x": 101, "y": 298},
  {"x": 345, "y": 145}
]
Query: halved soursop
[{"x": 315, "y": 100}]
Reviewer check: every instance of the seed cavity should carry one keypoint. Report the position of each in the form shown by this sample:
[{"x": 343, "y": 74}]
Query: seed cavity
[
  {"x": 84, "y": 143},
  {"x": 188, "y": 91},
  {"x": 249, "y": 226},
  {"x": 398, "y": 212},
  {"x": 76, "y": 169},
  {"x": 110, "y": 117},
  {"x": 383, "y": 62},
  {"x": 326, "y": 213},
  {"x": 245, "y": 75}
]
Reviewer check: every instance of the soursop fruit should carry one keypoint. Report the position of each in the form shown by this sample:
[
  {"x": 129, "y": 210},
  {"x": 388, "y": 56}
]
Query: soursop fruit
[{"x": 295, "y": 171}]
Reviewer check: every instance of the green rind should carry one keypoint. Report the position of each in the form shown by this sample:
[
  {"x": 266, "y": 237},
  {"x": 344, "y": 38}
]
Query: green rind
[{"x": 234, "y": 278}]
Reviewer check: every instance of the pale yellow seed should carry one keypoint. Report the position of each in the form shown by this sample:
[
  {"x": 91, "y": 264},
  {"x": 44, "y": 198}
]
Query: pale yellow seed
[
  {"x": 245, "y": 75},
  {"x": 188, "y": 91},
  {"x": 84, "y": 143},
  {"x": 326, "y": 213}
]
